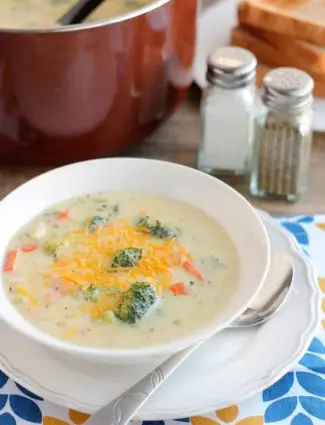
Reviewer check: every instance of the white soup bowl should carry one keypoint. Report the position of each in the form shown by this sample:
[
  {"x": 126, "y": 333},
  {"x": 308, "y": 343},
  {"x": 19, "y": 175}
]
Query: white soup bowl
[{"x": 225, "y": 205}]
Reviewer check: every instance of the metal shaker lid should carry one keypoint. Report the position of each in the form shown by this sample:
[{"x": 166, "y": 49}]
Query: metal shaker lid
[
  {"x": 287, "y": 89},
  {"x": 231, "y": 67}
]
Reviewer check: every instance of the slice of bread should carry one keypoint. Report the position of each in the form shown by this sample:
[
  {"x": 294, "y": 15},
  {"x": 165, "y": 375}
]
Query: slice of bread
[
  {"x": 264, "y": 51},
  {"x": 302, "y": 53},
  {"x": 271, "y": 52},
  {"x": 304, "y": 19},
  {"x": 271, "y": 56}
]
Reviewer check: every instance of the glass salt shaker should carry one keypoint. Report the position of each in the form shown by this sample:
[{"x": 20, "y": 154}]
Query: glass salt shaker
[
  {"x": 283, "y": 136},
  {"x": 227, "y": 112}
]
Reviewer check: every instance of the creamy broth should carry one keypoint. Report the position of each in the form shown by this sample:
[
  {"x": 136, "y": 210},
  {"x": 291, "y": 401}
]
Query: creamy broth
[
  {"x": 65, "y": 273},
  {"x": 45, "y": 13}
]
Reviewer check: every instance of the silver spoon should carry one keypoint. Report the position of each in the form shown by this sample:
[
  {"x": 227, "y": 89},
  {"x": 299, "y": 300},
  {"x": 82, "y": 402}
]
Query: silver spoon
[{"x": 121, "y": 410}]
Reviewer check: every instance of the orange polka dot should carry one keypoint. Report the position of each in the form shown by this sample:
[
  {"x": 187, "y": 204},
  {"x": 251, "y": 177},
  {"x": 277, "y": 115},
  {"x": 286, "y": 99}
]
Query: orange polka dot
[
  {"x": 200, "y": 420},
  {"x": 228, "y": 414},
  {"x": 78, "y": 418},
  {"x": 49, "y": 420},
  {"x": 320, "y": 226},
  {"x": 321, "y": 282},
  {"x": 253, "y": 420}
]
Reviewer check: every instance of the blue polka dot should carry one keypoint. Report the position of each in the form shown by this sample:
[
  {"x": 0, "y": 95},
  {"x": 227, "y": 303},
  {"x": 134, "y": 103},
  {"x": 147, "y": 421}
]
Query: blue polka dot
[
  {"x": 25, "y": 408},
  {"x": 314, "y": 406},
  {"x": 280, "y": 409},
  {"x": 7, "y": 419},
  {"x": 298, "y": 231},
  {"x": 317, "y": 346},
  {"x": 3, "y": 400},
  {"x": 3, "y": 379},
  {"x": 306, "y": 219},
  {"x": 28, "y": 393},
  {"x": 312, "y": 383},
  {"x": 314, "y": 363},
  {"x": 280, "y": 388},
  {"x": 301, "y": 419}
]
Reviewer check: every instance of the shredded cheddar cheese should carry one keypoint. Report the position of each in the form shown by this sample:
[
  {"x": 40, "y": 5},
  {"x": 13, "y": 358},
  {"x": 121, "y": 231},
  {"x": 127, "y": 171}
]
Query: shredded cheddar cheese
[
  {"x": 20, "y": 290},
  {"x": 70, "y": 332},
  {"x": 87, "y": 258}
]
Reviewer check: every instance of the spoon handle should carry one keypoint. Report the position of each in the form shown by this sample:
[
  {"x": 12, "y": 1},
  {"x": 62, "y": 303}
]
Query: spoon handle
[
  {"x": 121, "y": 410},
  {"x": 79, "y": 11}
]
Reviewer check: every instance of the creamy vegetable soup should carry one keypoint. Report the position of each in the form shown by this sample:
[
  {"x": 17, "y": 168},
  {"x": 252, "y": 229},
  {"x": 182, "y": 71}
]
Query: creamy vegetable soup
[
  {"x": 45, "y": 13},
  {"x": 121, "y": 270}
]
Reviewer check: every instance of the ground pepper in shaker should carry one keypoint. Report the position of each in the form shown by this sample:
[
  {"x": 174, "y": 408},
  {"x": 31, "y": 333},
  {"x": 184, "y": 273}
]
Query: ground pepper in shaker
[
  {"x": 227, "y": 112},
  {"x": 283, "y": 136}
]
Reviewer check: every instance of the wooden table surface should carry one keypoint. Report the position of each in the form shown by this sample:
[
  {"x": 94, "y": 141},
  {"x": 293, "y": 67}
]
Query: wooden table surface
[{"x": 177, "y": 141}]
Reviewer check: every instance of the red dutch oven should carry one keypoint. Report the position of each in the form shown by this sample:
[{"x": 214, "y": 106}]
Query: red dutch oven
[{"x": 93, "y": 90}]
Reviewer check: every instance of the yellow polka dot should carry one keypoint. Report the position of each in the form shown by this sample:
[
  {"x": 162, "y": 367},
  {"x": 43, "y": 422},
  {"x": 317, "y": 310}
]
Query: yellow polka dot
[
  {"x": 253, "y": 420},
  {"x": 321, "y": 282},
  {"x": 323, "y": 305},
  {"x": 78, "y": 418},
  {"x": 320, "y": 226},
  {"x": 228, "y": 414},
  {"x": 323, "y": 323},
  {"x": 49, "y": 420},
  {"x": 200, "y": 420}
]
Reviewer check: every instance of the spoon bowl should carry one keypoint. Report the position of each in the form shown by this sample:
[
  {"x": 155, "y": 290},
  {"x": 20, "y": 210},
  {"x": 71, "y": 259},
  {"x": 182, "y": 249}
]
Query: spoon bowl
[{"x": 273, "y": 294}]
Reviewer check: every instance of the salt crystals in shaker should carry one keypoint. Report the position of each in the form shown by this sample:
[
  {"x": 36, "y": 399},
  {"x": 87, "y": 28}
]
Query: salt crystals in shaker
[
  {"x": 283, "y": 136},
  {"x": 227, "y": 112}
]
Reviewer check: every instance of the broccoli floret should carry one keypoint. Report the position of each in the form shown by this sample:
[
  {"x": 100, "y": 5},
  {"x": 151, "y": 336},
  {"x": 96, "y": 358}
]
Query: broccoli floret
[
  {"x": 92, "y": 294},
  {"x": 162, "y": 232},
  {"x": 128, "y": 257},
  {"x": 156, "y": 228},
  {"x": 96, "y": 221},
  {"x": 116, "y": 209},
  {"x": 144, "y": 223},
  {"x": 51, "y": 248},
  {"x": 136, "y": 302}
]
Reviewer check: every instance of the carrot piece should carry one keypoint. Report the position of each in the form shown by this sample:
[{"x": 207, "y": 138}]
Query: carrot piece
[
  {"x": 64, "y": 286},
  {"x": 68, "y": 285},
  {"x": 191, "y": 269},
  {"x": 10, "y": 260},
  {"x": 60, "y": 262},
  {"x": 63, "y": 215},
  {"x": 179, "y": 288},
  {"x": 29, "y": 247}
]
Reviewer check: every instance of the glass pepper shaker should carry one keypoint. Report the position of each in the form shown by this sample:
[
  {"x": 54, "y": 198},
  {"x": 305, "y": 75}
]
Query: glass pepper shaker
[
  {"x": 227, "y": 112},
  {"x": 283, "y": 136}
]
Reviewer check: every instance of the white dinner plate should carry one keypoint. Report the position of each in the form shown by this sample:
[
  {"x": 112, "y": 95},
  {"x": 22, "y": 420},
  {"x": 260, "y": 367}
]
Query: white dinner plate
[
  {"x": 232, "y": 366},
  {"x": 216, "y": 20}
]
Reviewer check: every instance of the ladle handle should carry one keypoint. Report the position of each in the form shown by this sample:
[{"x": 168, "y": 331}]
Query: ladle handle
[{"x": 79, "y": 12}]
